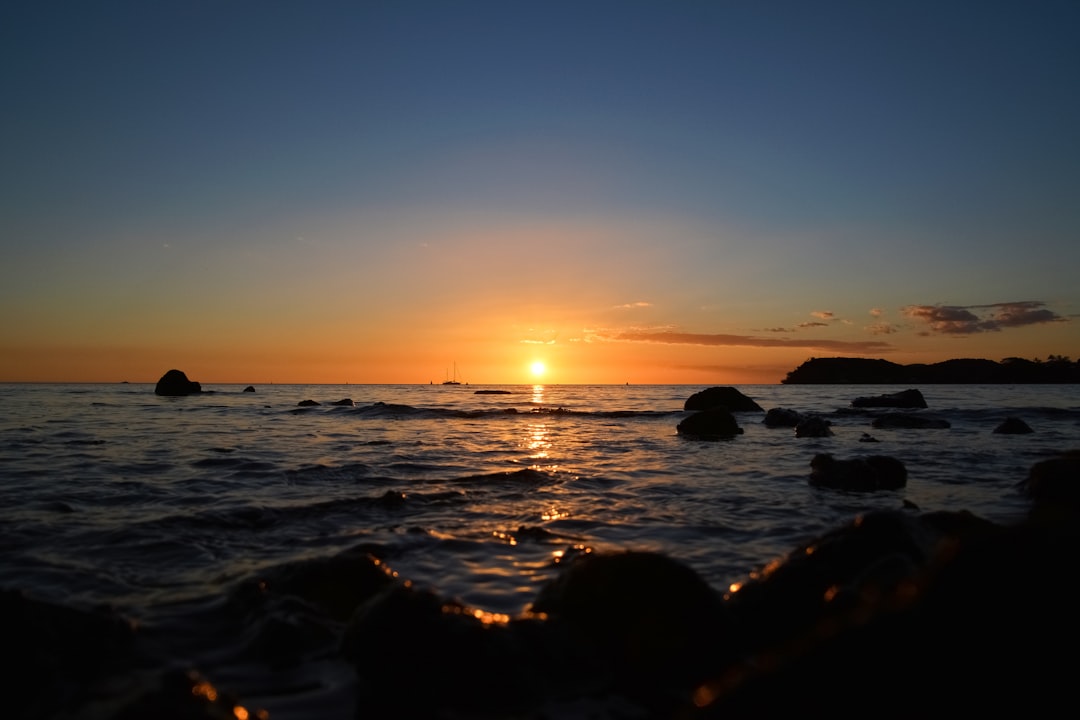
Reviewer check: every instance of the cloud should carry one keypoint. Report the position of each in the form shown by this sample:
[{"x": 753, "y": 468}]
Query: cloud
[
  {"x": 877, "y": 312},
  {"x": 638, "y": 304},
  {"x": 670, "y": 337},
  {"x": 823, "y": 314},
  {"x": 971, "y": 319},
  {"x": 810, "y": 324},
  {"x": 882, "y": 328}
]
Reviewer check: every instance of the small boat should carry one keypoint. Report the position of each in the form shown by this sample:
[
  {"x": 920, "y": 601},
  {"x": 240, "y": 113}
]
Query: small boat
[{"x": 452, "y": 381}]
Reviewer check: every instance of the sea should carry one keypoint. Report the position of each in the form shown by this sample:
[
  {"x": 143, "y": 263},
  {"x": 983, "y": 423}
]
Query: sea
[{"x": 161, "y": 509}]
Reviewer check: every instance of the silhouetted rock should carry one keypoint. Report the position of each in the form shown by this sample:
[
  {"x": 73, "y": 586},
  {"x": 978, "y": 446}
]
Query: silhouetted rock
[
  {"x": 903, "y": 399},
  {"x": 876, "y": 472},
  {"x": 249, "y": 388},
  {"x": 899, "y": 622},
  {"x": 307, "y": 403},
  {"x": 648, "y": 616},
  {"x": 344, "y": 402},
  {"x": 175, "y": 383},
  {"x": 867, "y": 437},
  {"x": 709, "y": 425},
  {"x": 725, "y": 397},
  {"x": 1055, "y": 481},
  {"x": 1013, "y": 426},
  {"x": 813, "y": 426},
  {"x": 781, "y": 417},
  {"x": 914, "y": 421}
]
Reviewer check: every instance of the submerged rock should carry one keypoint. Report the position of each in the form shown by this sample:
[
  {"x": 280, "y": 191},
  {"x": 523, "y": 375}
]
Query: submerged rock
[
  {"x": 1013, "y": 426},
  {"x": 903, "y": 399},
  {"x": 911, "y": 421},
  {"x": 723, "y": 397},
  {"x": 709, "y": 425},
  {"x": 249, "y": 389},
  {"x": 175, "y": 383},
  {"x": 874, "y": 472}
]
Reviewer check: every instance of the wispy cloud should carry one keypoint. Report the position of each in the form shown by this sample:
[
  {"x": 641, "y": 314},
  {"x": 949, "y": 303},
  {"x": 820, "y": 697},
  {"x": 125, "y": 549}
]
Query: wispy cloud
[
  {"x": 670, "y": 337},
  {"x": 824, "y": 314},
  {"x": 812, "y": 323},
  {"x": 882, "y": 328},
  {"x": 629, "y": 306},
  {"x": 971, "y": 319}
]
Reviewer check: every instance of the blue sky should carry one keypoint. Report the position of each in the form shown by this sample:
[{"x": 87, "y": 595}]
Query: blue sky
[{"x": 672, "y": 187}]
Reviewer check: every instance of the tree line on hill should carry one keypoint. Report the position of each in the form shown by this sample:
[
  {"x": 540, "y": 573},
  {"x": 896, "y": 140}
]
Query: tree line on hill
[{"x": 1012, "y": 370}]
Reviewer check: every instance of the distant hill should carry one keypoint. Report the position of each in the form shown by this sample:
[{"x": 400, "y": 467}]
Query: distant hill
[{"x": 1056, "y": 369}]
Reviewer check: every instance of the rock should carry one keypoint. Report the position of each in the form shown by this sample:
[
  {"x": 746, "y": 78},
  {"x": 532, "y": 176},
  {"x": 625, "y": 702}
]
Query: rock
[
  {"x": 902, "y": 399},
  {"x": 867, "y": 437},
  {"x": 1055, "y": 481},
  {"x": 175, "y": 383},
  {"x": 875, "y": 472},
  {"x": 249, "y": 388},
  {"x": 910, "y": 421},
  {"x": 781, "y": 417},
  {"x": 709, "y": 425},
  {"x": 344, "y": 402},
  {"x": 813, "y": 426},
  {"x": 307, "y": 403},
  {"x": 405, "y": 638},
  {"x": 1013, "y": 426},
  {"x": 726, "y": 397},
  {"x": 650, "y": 617},
  {"x": 900, "y": 638}
]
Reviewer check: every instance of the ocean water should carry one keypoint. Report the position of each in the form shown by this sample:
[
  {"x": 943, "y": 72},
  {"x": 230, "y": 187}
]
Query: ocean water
[{"x": 161, "y": 508}]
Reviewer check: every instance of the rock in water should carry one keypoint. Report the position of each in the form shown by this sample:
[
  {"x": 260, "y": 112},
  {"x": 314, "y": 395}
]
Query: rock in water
[
  {"x": 902, "y": 399},
  {"x": 709, "y": 425},
  {"x": 876, "y": 472},
  {"x": 175, "y": 383},
  {"x": 726, "y": 397}
]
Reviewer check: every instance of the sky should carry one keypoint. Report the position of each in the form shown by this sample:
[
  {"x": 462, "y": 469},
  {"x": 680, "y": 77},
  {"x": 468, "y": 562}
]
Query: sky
[{"x": 698, "y": 192}]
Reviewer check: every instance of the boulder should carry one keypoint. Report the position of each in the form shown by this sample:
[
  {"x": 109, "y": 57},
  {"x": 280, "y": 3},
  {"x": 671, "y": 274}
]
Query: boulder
[
  {"x": 813, "y": 426},
  {"x": 781, "y": 417},
  {"x": 902, "y": 399},
  {"x": 1055, "y": 481},
  {"x": 646, "y": 615},
  {"x": 175, "y": 383},
  {"x": 709, "y": 425},
  {"x": 307, "y": 403},
  {"x": 875, "y": 472},
  {"x": 910, "y": 421},
  {"x": 1013, "y": 426},
  {"x": 725, "y": 397},
  {"x": 343, "y": 402},
  {"x": 249, "y": 388}
]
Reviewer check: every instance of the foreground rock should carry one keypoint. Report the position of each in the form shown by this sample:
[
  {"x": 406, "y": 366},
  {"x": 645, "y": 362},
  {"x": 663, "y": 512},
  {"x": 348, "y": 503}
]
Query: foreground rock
[
  {"x": 711, "y": 424},
  {"x": 175, "y": 383},
  {"x": 721, "y": 397}
]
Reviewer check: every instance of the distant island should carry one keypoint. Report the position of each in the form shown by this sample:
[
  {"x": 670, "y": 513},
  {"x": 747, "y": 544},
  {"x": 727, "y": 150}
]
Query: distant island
[{"x": 851, "y": 371}]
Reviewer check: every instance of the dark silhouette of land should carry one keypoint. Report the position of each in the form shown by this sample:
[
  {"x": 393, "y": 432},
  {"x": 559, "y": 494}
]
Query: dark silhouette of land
[{"x": 1055, "y": 369}]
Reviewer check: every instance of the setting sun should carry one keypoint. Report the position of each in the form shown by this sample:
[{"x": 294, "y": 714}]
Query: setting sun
[{"x": 538, "y": 368}]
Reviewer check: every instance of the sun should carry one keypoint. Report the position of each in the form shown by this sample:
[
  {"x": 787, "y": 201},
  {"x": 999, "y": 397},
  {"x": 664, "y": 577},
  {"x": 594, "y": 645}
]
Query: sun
[{"x": 538, "y": 368}]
